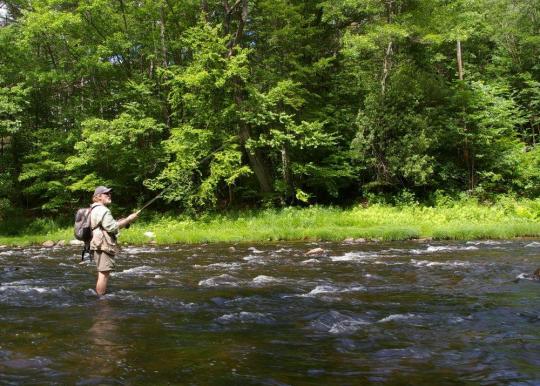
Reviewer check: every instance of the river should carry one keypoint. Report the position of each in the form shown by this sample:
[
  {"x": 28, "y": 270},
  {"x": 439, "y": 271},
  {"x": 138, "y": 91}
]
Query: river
[{"x": 266, "y": 314}]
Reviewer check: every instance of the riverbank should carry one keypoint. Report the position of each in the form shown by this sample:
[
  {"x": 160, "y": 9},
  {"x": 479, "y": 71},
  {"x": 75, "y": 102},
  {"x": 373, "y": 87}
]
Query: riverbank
[{"x": 454, "y": 221}]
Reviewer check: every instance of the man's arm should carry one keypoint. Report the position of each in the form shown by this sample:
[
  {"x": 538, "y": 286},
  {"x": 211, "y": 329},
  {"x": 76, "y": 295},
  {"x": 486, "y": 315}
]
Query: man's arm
[
  {"x": 124, "y": 222},
  {"x": 109, "y": 224}
]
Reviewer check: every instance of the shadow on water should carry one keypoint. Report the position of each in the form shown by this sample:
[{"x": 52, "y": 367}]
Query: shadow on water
[{"x": 388, "y": 313}]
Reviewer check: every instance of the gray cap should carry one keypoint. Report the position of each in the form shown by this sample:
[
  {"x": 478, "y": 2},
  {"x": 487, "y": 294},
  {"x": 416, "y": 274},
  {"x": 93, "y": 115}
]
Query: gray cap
[{"x": 101, "y": 190}]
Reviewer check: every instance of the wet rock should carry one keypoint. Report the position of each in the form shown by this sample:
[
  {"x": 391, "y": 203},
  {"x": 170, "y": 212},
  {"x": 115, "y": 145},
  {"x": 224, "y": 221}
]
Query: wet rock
[
  {"x": 61, "y": 243},
  {"x": 218, "y": 281},
  {"x": 245, "y": 317},
  {"x": 76, "y": 242},
  {"x": 3, "y": 246},
  {"x": 48, "y": 244},
  {"x": 531, "y": 317},
  {"x": 232, "y": 249},
  {"x": 315, "y": 252},
  {"x": 310, "y": 261},
  {"x": 219, "y": 301},
  {"x": 351, "y": 240},
  {"x": 337, "y": 323},
  {"x": 30, "y": 363},
  {"x": 527, "y": 276}
]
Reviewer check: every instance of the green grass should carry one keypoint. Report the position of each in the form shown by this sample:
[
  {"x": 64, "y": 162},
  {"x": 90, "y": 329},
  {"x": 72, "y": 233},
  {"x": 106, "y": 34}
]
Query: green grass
[{"x": 464, "y": 220}]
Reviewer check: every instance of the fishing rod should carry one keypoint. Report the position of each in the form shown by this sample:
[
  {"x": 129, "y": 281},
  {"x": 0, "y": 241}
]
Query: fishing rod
[{"x": 176, "y": 183}]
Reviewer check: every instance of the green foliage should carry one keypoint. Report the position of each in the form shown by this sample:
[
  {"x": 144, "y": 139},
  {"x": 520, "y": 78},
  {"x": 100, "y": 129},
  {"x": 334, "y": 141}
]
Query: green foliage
[
  {"x": 201, "y": 93},
  {"x": 43, "y": 171},
  {"x": 394, "y": 138},
  {"x": 12, "y": 100},
  {"x": 268, "y": 102},
  {"x": 528, "y": 178},
  {"x": 117, "y": 152},
  {"x": 458, "y": 219},
  {"x": 482, "y": 129}
]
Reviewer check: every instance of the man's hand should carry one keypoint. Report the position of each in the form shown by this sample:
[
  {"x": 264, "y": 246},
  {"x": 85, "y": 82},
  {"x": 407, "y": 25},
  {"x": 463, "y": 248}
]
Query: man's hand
[
  {"x": 125, "y": 222},
  {"x": 132, "y": 217}
]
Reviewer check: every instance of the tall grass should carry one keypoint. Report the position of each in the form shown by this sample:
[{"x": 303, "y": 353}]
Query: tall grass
[
  {"x": 461, "y": 220},
  {"x": 455, "y": 220}
]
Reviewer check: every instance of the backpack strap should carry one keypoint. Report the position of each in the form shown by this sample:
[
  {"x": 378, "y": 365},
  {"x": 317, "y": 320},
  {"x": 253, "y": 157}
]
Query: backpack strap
[{"x": 100, "y": 221}]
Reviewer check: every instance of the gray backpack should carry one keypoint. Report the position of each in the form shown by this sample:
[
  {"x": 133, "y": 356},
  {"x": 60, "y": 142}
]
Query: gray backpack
[{"x": 83, "y": 229}]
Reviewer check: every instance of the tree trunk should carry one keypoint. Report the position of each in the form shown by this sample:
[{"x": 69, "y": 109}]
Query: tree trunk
[
  {"x": 164, "y": 52},
  {"x": 162, "y": 36},
  {"x": 255, "y": 157},
  {"x": 241, "y": 22},
  {"x": 468, "y": 151},
  {"x": 123, "y": 9},
  {"x": 255, "y": 161},
  {"x": 204, "y": 9},
  {"x": 387, "y": 64},
  {"x": 287, "y": 178},
  {"x": 459, "y": 60},
  {"x": 472, "y": 173}
]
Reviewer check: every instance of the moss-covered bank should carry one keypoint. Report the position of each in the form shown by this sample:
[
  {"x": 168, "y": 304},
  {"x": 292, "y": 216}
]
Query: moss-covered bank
[{"x": 462, "y": 220}]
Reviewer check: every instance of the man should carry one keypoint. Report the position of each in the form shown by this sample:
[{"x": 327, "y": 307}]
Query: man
[{"x": 104, "y": 231}]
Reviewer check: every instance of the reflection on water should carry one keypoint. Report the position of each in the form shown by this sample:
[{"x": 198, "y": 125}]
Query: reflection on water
[
  {"x": 388, "y": 313},
  {"x": 106, "y": 352}
]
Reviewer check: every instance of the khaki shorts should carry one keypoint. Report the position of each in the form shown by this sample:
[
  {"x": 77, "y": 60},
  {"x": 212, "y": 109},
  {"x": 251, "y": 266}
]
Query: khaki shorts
[{"x": 104, "y": 261}]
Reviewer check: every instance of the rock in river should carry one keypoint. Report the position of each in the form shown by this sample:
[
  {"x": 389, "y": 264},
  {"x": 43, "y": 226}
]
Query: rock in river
[{"x": 315, "y": 252}]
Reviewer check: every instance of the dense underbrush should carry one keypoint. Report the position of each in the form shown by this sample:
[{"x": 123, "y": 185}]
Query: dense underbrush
[{"x": 463, "y": 220}]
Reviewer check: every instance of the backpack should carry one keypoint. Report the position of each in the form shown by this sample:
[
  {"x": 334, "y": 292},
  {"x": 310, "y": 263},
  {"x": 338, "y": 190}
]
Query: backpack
[{"x": 83, "y": 229}]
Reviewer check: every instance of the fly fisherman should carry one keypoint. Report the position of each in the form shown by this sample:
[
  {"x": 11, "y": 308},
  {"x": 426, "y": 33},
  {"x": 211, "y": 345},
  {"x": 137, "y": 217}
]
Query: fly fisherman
[{"x": 105, "y": 228}]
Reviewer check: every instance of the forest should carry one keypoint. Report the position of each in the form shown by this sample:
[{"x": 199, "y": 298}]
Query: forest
[{"x": 266, "y": 103}]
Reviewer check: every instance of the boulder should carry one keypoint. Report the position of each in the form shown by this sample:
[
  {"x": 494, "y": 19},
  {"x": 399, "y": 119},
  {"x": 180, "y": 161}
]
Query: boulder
[
  {"x": 232, "y": 249},
  {"x": 315, "y": 252},
  {"x": 61, "y": 243},
  {"x": 76, "y": 242},
  {"x": 48, "y": 244}
]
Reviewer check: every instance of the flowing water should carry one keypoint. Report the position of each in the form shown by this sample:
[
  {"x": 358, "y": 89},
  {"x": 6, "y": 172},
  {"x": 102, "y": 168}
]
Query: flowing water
[{"x": 266, "y": 314}]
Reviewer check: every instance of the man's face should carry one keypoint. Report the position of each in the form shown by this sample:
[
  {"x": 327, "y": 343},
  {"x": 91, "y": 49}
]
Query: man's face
[{"x": 105, "y": 198}]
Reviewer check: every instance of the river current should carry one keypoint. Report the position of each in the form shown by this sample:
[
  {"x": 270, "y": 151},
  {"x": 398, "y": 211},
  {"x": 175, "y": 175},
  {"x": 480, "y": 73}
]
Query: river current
[{"x": 267, "y": 314}]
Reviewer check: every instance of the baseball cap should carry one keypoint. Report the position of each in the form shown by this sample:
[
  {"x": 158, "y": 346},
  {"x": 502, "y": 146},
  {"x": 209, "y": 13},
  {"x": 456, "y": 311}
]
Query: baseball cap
[{"x": 101, "y": 190}]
